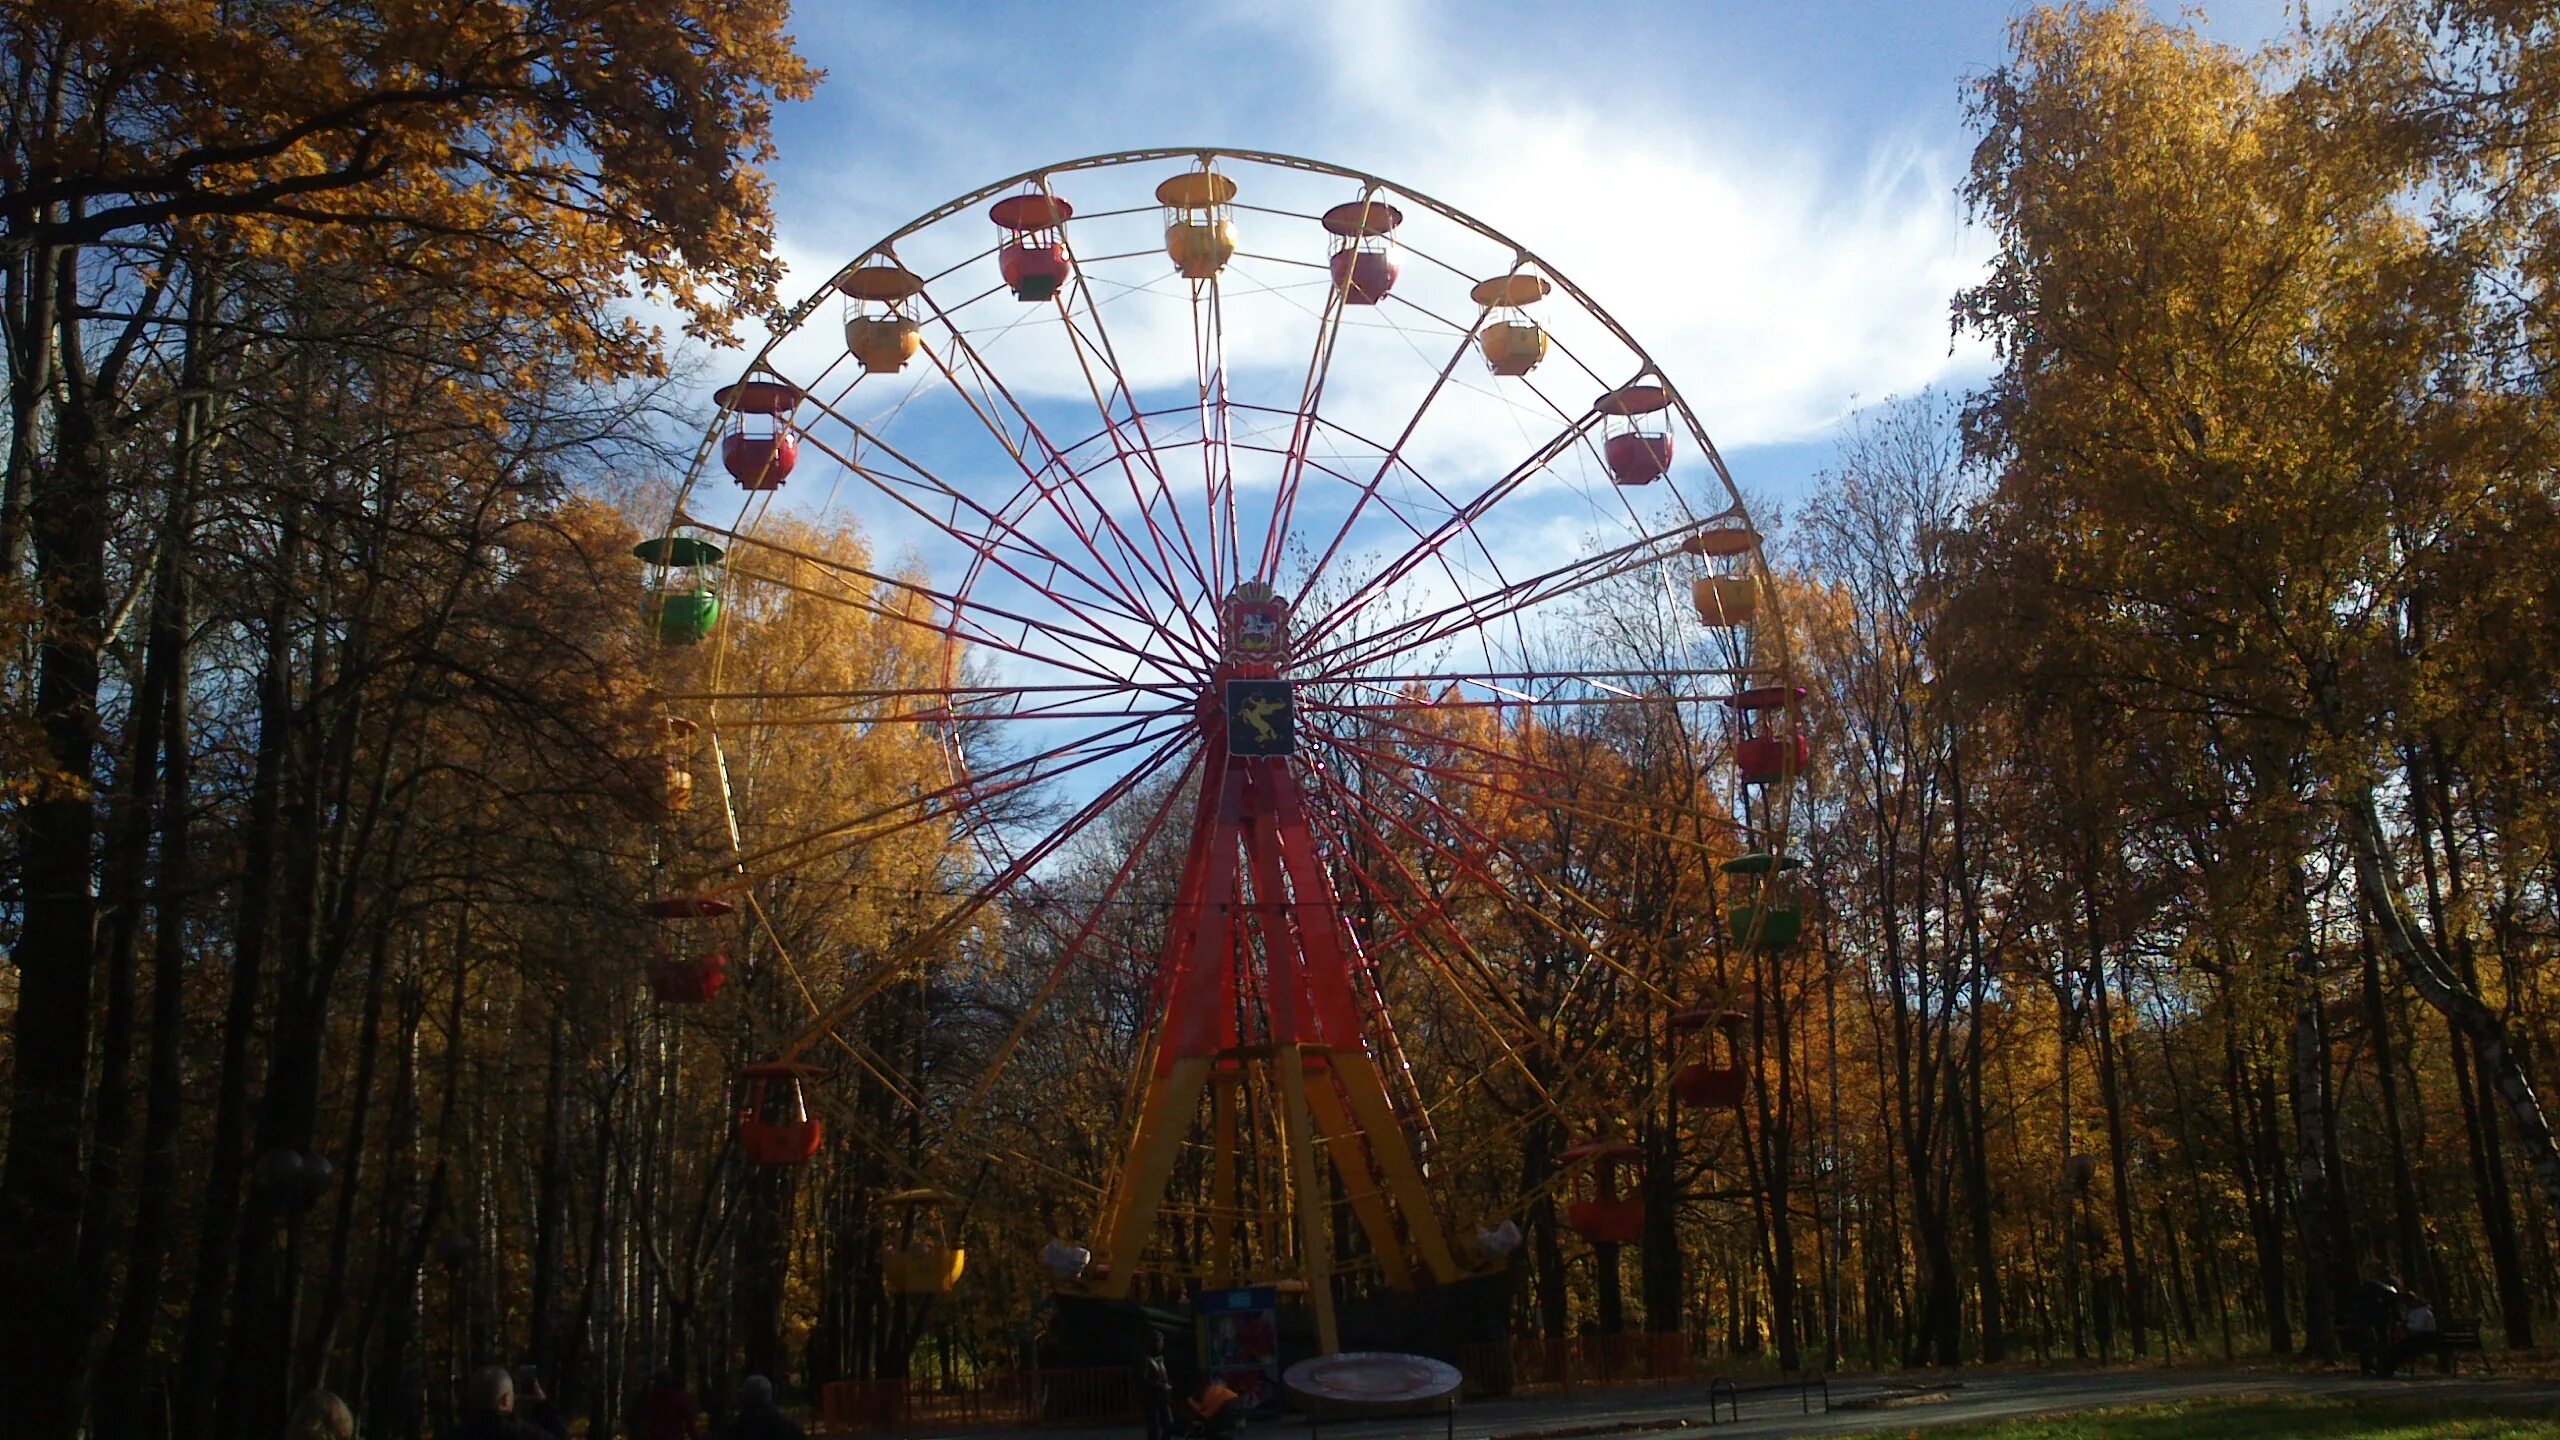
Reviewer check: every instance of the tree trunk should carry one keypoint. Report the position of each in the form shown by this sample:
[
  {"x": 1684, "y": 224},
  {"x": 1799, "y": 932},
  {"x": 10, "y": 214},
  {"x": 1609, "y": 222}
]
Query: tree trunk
[
  {"x": 2311, "y": 1158},
  {"x": 125, "y": 1392},
  {"x": 209, "y": 1302},
  {"x": 2408, "y": 1243},
  {"x": 41, "y": 1197},
  {"x": 551, "y": 1205},
  {"x": 1976, "y": 1123},
  {"x": 2119, "y": 1168},
  {"x": 2446, "y": 990}
]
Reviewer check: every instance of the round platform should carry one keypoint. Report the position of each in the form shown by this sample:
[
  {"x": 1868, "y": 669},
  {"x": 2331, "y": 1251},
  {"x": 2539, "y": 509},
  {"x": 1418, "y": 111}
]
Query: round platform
[{"x": 1365, "y": 1384}]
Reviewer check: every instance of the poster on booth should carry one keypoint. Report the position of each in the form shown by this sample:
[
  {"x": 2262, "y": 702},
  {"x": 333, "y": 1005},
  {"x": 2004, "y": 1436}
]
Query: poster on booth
[{"x": 1240, "y": 1341}]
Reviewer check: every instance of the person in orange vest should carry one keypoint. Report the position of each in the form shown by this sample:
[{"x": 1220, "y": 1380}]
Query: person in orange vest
[{"x": 1216, "y": 1414}]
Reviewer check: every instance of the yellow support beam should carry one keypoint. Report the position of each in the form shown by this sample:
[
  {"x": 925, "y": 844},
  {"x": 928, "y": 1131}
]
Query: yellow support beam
[
  {"x": 1166, "y": 1117},
  {"x": 1315, "y": 1245},
  {"x": 1222, "y": 1177},
  {"x": 1368, "y": 1203},
  {"x": 1395, "y": 1165}
]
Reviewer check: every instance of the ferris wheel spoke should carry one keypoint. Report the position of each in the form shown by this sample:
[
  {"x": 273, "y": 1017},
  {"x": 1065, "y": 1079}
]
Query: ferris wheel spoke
[
  {"x": 1351, "y": 809},
  {"x": 1468, "y": 984},
  {"x": 948, "y": 703},
  {"x": 1293, "y": 466},
  {"x": 956, "y": 624},
  {"x": 1423, "y": 631},
  {"x": 1529, "y": 872},
  {"x": 1187, "y": 553},
  {"x": 1054, "y": 462},
  {"x": 1394, "y": 454},
  {"x": 999, "y": 535},
  {"x": 1217, "y": 435},
  {"x": 1462, "y": 517},
  {"x": 1075, "y": 947},
  {"x": 1000, "y": 538},
  {"x": 947, "y": 801},
  {"x": 889, "y": 967},
  {"x": 1502, "y": 763}
]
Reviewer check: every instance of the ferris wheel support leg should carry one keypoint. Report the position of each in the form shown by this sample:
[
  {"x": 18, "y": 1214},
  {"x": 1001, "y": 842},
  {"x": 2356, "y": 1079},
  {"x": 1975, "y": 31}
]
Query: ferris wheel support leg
[
  {"x": 1315, "y": 1244},
  {"x": 1368, "y": 1200},
  {"x": 1395, "y": 1164},
  {"x": 1222, "y": 1178},
  {"x": 1163, "y": 1120}
]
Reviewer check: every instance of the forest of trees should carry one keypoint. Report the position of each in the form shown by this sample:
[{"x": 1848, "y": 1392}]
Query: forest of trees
[{"x": 2181, "y": 850}]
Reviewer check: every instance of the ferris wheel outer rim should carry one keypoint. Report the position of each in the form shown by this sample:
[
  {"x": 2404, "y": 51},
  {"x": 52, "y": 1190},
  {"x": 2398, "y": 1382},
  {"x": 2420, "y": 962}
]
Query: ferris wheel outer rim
[{"x": 1769, "y": 629}]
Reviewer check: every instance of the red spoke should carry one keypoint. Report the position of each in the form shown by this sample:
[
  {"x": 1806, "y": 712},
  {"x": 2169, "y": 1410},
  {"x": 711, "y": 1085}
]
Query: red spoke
[
  {"x": 890, "y": 966},
  {"x": 1188, "y": 551},
  {"x": 951, "y": 628},
  {"x": 1217, "y": 439},
  {"x": 1507, "y": 762},
  {"x": 1293, "y": 466},
  {"x": 1395, "y": 453},
  {"x": 1002, "y": 533},
  {"x": 1055, "y": 462},
  {"x": 970, "y": 788},
  {"x": 1075, "y": 947},
  {"x": 1504, "y": 890},
  {"x": 1423, "y": 631},
  {"x": 1461, "y": 518}
]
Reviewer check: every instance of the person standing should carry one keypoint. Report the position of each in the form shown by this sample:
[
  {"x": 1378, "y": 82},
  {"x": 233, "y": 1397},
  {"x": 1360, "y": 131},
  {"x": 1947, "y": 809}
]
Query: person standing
[
  {"x": 321, "y": 1416},
  {"x": 666, "y": 1411},
  {"x": 2416, "y": 1334},
  {"x": 1155, "y": 1388},
  {"x": 759, "y": 1415},
  {"x": 489, "y": 1408},
  {"x": 2371, "y": 1310}
]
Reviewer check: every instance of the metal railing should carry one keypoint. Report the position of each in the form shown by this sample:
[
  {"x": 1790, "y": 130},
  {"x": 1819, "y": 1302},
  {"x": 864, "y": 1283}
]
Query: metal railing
[{"x": 1573, "y": 1362}]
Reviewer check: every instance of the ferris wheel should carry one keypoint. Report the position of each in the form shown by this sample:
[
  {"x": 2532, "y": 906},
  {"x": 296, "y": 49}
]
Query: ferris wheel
[{"x": 1279, "y": 554}]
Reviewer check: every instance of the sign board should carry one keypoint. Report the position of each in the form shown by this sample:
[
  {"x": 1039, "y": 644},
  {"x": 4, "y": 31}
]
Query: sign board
[
  {"x": 1262, "y": 718},
  {"x": 1240, "y": 1341}
]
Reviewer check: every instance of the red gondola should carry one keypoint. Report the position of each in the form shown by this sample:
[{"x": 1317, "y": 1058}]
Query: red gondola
[
  {"x": 1034, "y": 259},
  {"x": 1636, "y": 433},
  {"x": 675, "y": 978},
  {"x": 1364, "y": 255},
  {"x": 761, "y": 446},
  {"x": 1767, "y": 759},
  {"x": 688, "y": 982},
  {"x": 1601, "y": 1215},
  {"x": 774, "y": 1123},
  {"x": 1765, "y": 697},
  {"x": 1710, "y": 1086}
]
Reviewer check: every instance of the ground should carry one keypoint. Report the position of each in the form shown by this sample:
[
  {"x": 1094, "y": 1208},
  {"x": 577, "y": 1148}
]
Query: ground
[{"x": 2112, "y": 1405}]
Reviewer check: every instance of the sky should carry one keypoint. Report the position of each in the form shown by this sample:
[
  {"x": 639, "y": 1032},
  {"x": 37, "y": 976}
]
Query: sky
[
  {"x": 1763, "y": 192},
  {"x": 1763, "y": 195}
]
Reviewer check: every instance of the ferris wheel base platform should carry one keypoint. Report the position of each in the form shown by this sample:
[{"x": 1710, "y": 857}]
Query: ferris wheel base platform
[
  {"x": 1438, "y": 1323},
  {"x": 1371, "y": 1385}
]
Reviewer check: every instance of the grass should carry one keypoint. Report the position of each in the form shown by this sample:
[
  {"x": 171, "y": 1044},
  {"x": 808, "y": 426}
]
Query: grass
[{"x": 2283, "y": 1419}]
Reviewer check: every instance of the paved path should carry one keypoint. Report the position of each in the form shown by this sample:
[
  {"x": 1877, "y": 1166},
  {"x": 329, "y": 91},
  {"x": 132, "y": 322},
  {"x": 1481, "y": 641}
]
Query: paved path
[
  {"x": 1971, "y": 1398},
  {"x": 1636, "y": 1414}
]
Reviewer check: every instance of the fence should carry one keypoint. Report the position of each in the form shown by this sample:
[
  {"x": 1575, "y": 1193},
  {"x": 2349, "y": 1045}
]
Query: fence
[
  {"x": 1012, "y": 1397},
  {"x": 1068, "y": 1397},
  {"x": 1531, "y": 1362}
]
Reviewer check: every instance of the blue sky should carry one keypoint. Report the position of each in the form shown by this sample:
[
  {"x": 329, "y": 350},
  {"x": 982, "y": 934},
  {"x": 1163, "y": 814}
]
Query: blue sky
[{"x": 1762, "y": 192}]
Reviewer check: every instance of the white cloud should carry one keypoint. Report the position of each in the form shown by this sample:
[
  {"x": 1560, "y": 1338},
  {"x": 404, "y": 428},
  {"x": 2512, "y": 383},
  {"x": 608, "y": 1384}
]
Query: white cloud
[{"x": 1772, "y": 283}]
